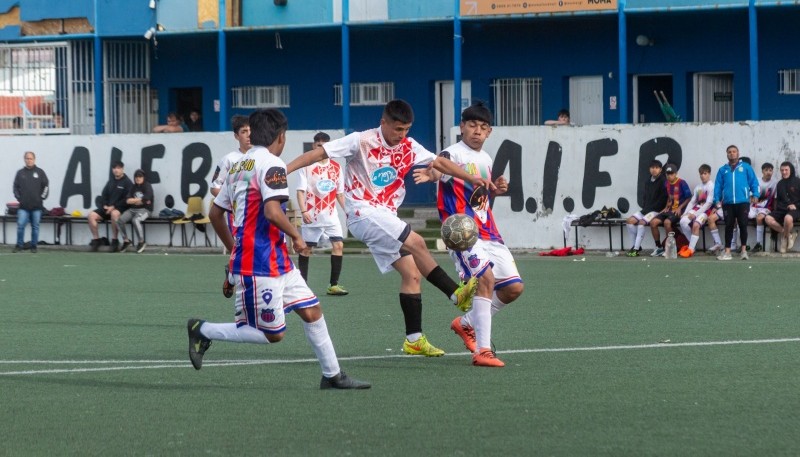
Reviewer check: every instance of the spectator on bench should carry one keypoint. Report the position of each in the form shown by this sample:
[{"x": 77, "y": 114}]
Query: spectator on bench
[
  {"x": 654, "y": 197},
  {"x": 140, "y": 205},
  {"x": 112, "y": 204},
  {"x": 766, "y": 200},
  {"x": 678, "y": 195},
  {"x": 700, "y": 207},
  {"x": 787, "y": 206}
]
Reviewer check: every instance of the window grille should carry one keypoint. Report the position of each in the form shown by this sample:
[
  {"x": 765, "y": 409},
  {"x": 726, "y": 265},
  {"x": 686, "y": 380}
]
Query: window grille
[
  {"x": 33, "y": 90},
  {"x": 260, "y": 97},
  {"x": 789, "y": 81},
  {"x": 517, "y": 101},
  {"x": 365, "y": 94}
]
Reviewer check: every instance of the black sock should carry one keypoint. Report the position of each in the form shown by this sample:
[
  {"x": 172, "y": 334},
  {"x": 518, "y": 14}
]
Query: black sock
[
  {"x": 302, "y": 265},
  {"x": 336, "y": 269},
  {"x": 442, "y": 281},
  {"x": 412, "y": 312}
]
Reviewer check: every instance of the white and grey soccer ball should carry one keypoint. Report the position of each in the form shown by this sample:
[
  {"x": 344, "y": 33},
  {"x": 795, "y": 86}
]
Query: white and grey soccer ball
[{"x": 459, "y": 232}]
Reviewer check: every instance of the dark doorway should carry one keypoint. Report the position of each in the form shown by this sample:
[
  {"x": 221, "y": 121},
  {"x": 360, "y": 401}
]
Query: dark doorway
[
  {"x": 188, "y": 99},
  {"x": 648, "y": 108}
]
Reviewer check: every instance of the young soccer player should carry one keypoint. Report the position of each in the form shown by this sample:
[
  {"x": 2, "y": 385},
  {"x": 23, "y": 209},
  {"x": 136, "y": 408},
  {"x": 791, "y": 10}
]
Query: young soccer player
[
  {"x": 267, "y": 286},
  {"x": 761, "y": 209},
  {"x": 678, "y": 194},
  {"x": 700, "y": 207},
  {"x": 319, "y": 187},
  {"x": 489, "y": 259},
  {"x": 377, "y": 161},
  {"x": 654, "y": 197}
]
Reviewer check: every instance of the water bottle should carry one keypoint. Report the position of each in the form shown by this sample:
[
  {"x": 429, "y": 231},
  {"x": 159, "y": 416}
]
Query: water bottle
[
  {"x": 670, "y": 249},
  {"x": 612, "y": 254}
]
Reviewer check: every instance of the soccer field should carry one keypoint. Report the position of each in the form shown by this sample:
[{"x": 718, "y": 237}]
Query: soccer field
[{"x": 604, "y": 356}]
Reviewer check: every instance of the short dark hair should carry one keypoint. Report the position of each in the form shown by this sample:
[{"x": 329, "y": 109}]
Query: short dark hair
[
  {"x": 704, "y": 168},
  {"x": 117, "y": 164},
  {"x": 138, "y": 173},
  {"x": 322, "y": 136},
  {"x": 266, "y": 125},
  {"x": 767, "y": 165},
  {"x": 238, "y": 121},
  {"x": 398, "y": 110},
  {"x": 477, "y": 112},
  {"x": 787, "y": 164},
  {"x": 563, "y": 111},
  {"x": 656, "y": 163}
]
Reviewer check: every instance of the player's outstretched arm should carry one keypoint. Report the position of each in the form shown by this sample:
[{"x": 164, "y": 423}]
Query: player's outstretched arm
[
  {"x": 426, "y": 174},
  {"x": 304, "y": 160}
]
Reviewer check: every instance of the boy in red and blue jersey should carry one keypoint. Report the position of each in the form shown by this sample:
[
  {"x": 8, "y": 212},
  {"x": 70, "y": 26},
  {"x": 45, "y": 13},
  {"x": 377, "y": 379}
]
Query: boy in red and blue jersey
[
  {"x": 489, "y": 260},
  {"x": 266, "y": 283}
]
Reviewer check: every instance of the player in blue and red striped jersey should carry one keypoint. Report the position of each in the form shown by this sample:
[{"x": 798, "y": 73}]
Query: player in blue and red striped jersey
[
  {"x": 489, "y": 259},
  {"x": 266, "y": 283}
]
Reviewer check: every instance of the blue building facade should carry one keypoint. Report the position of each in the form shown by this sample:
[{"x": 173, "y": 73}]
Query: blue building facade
[{"x": 725, "y": 61}]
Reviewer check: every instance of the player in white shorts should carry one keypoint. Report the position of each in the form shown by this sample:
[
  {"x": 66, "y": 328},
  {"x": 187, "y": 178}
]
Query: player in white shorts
[
  {"x": 761, "y": 209},
  {"x": 377, "y": 162},
  {"x": 319, "y": 187},
  {"x": 267, "y": 285},
  {"x": 700, "y": 206},
  {"x": 654, "y": 197},
  {"x": 489, "y": 259}
]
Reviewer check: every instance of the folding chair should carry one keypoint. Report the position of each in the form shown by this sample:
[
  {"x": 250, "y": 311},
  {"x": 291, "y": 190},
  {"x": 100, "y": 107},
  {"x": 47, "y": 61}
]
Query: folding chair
[{"x": 196, "y": 217}]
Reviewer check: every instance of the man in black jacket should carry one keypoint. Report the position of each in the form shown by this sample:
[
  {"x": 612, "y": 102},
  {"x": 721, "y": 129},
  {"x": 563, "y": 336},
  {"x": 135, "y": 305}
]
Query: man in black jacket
[
  {"x": 654, "y": 199},
  {"x": 787, "y": 206},
  {"x": 30, "y": 189},
  {"x": 112, "y": 205}
]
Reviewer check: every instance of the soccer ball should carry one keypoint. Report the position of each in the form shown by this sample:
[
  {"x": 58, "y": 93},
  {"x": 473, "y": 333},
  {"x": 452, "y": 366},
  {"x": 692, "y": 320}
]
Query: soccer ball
[{"x": 459, "y": 232}]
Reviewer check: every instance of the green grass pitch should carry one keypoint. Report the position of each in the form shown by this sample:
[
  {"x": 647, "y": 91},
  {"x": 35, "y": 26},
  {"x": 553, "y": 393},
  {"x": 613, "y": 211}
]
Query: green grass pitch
[{"x": 604, "y": 357}]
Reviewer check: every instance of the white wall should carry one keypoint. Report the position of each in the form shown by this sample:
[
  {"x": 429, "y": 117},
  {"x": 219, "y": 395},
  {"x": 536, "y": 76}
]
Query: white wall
[
  {"x": 618, "y": 147},
  {"x": 774, "y": 141}
]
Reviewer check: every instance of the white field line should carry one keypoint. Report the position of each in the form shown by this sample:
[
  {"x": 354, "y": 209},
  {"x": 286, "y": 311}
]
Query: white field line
[{"x": 183, "y": 363}]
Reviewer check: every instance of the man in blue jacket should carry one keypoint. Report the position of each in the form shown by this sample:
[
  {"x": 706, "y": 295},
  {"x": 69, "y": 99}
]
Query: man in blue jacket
[{"x": 735, "y": 189}]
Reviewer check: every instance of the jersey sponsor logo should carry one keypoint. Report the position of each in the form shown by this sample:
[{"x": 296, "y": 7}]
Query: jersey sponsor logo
[
  {"x": 276, "y": 178},
  {"x": 325, "y": 186},
  {"x": 383, "y": 176},
  {"x": 445, "y": 154},
  {"x": 247, "y": 165}
]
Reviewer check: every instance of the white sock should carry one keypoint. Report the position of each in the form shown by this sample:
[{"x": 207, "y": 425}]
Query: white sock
[
  {"x": 317, "y": 335},
  {"x": 639, "y": 237},
  {"x": 482, "y": 321},
  {"x": 631, "y": 232},
  {"x": 760, "y": 234},
  {"x": 715, "y": 236},
  {"x": 686, "y": 227},
  {"x": 230, "y": 332},
  {"x": 693, "y": 241},
  {"x": 413, "y": 337},
  {"x": 497, "y": 305}
]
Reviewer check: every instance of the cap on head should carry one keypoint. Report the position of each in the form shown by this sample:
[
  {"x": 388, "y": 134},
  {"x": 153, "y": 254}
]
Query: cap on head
[
  {"x": 670, "y": 168},
  {"x": 139, "y": 173}
]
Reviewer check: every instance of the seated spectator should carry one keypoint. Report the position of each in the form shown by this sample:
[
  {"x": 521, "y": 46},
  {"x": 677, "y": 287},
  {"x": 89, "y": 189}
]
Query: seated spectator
[
  {"x": 140, "y": 205},
  {"x": 654, "y": 197},
  {"x": 112, "y": 205},
  {"x": 563, "y": 118},
  {"x": 787, "y": 207},
  {"x": 678, "y": 195},
  {"x": 766, "y": 200},
  {"x": 700, "y": 207},
  {"x": 174, "y": 125},
  {"x": 194, "y": 123}
]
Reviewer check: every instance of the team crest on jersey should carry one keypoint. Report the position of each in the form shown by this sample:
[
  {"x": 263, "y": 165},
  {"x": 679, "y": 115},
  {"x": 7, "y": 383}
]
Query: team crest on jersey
[
  {"x": 383, "y": 176},
  {"x": 276, "y": 178},
  {"x": 325, "y": 186},
  {"x": 473, "y": 261},
  {"x": 268, "y": 315}
]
